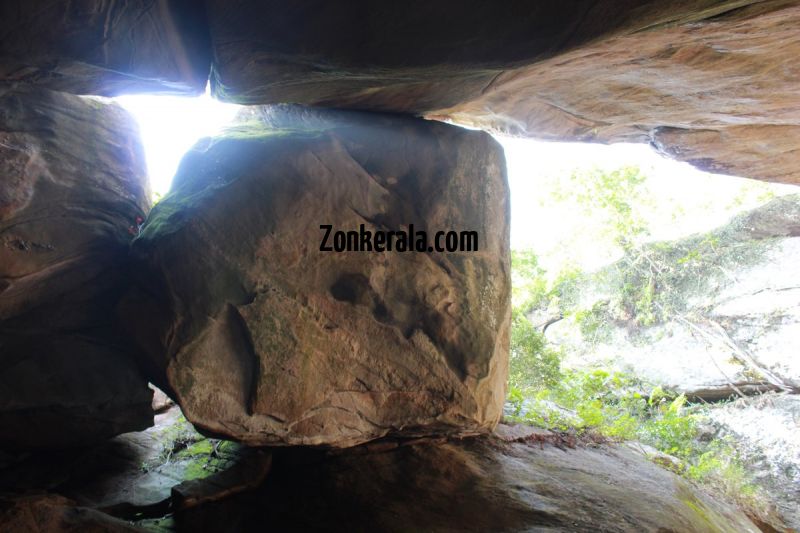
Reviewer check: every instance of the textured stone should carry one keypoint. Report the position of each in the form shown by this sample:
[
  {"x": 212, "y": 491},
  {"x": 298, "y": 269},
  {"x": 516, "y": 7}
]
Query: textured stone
[
  {"x": 711, "y": 83},
  {"x": 475, "y": 485},
  {"x": 735, "y": 324},
  {"x": 105, "y": 48},
  {"x": 247, "y": 475},
  {"x": 263, "y": 338},
  {"x": 405, "y": 57},
  {"x": 73, "y": 184}
]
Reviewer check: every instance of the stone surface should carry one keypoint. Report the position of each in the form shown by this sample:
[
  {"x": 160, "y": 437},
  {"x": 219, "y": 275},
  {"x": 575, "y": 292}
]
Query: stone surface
[
  {"x": 51, "y": 513},
  {"x": 720, "y": 93},
  {"x": 105, "y": 48},
  {"x": 132, "y": 476},
  {"x": 400, "y": 57},
  {"x": 766, "y": 431},
  {"x": 733, "y": 329},
  {"x": 712, "y": 83},
  {"x": 241, "y": 477},
  {"x": 73, "y": 184},
  {"x": 262, "y": 337},
  {"x": 476, "y": 485}
]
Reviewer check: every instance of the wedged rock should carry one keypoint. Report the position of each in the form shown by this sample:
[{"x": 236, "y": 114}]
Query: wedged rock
[
  {"x": 105, "y": 48},
  {"x": 263, "y": 338},
  {"x": 73, "y": 186},
  {"x": 711, "y": 83},
  {"x": 479, "y": 484}
]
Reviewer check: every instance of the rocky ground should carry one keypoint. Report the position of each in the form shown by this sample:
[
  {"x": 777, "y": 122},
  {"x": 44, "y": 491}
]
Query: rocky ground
[{"x": 170, "y": 478}]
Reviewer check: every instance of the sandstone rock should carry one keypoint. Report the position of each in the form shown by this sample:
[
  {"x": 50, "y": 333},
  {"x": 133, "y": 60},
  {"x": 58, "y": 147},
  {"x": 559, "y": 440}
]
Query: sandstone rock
[
  {"x": 711, "y": 83},
  {"x": 475, "y": 485},
  {"x": 262, "y": 337},
  {"x": 719, "y": 93},
  {"x": 400, "y": 57},
  {"x": 105, "y": 48},
  {"x": 161, "y": 402},
  {"x": 73, "y": 184}
]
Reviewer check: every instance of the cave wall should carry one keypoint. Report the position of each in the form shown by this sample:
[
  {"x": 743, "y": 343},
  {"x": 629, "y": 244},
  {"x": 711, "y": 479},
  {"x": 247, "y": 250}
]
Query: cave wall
[{"x": 73, "y": 186}]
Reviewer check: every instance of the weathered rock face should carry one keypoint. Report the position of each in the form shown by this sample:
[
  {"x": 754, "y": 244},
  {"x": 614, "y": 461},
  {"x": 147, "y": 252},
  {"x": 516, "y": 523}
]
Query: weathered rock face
[
  {"x": 105, "y": 48},
  {"x": 266, "y": 339},
  {"x": 56, "y": 514},
  {"x": 73, "y": 184},
  {"x": 719, "y": 93},
  {"x": 520, "y": 479},
  {"x": 712, "y": 83},
  {"x": 475, "y": 485},
  {"x": 733, "y": 328},
  {"x": 401, "y": 57}
]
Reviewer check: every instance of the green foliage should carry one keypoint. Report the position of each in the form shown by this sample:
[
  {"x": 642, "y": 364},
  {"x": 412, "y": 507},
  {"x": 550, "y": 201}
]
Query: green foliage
[
  {"x": 612, "y": 404},
  {"x": 533, "y": 365},
  {"x": 617, "y": 195},
  {"x": 648, "y": 285}
]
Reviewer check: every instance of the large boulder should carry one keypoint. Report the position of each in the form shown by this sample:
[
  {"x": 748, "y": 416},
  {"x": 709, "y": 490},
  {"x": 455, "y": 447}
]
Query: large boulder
[
  {"x": 713, "y": 83},
  {"x": 72, "y": 187},
  {"x": 262, "y": 337},
  {"x": 105, "y": 48}
]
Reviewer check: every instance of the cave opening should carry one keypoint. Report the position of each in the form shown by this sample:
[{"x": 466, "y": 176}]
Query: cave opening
[{"x": 170, "y": 125}]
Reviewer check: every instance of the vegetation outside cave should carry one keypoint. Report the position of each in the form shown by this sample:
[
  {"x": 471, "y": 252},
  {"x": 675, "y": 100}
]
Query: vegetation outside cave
[{"x": 564, "y": 314}]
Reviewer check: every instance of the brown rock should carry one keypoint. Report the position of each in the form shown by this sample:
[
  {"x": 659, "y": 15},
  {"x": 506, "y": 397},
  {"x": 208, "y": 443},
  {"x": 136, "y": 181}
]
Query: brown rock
[
  {"x": 711, "y": 83},
  {"x": 105, "y": 48},
  {"x": 266, "y": 339},
  {"x": 475, "y": 485},
  {"x": 73, "y": 184},
  {"x": 720, "y": 93},
  {"x": 413, "y": 57},
  {"x": 161, "y": 402}
]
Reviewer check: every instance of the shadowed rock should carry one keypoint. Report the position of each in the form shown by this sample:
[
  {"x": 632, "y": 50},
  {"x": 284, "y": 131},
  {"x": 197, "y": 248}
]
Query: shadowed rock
[
  {"x": 105, "y": 48},
  {"x": 474, "y": 485},
  {"x": 73, "y": 184}
]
